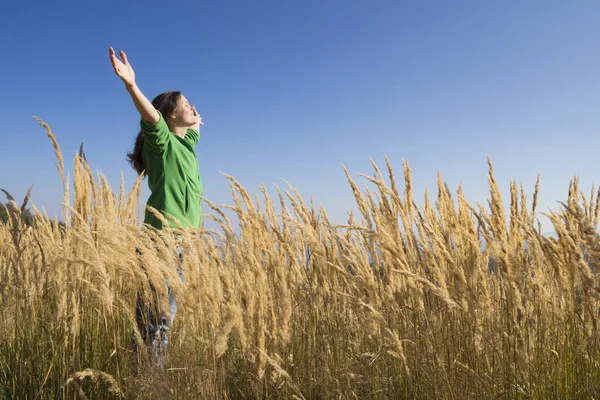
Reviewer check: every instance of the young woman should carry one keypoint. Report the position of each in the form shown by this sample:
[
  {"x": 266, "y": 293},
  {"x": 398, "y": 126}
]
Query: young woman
[{"x": 164, "y": 152}]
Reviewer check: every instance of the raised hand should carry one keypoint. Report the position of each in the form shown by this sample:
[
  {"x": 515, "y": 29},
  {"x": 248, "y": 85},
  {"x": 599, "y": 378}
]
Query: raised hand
[
  {"x": 198, "y": 119},
  {"x": 122, "y": 69}
]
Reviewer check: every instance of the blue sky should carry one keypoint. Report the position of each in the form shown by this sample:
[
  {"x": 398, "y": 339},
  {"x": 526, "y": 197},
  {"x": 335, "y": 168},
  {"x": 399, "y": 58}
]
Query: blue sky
[{"x": 290, "y": 90}]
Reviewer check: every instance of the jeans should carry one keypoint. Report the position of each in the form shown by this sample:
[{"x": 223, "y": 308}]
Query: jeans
[{"x": 154, "y": 331}]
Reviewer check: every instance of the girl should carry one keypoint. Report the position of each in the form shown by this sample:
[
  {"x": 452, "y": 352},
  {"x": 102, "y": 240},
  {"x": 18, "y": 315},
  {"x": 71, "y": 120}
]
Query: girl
[{"x": 164, "y": 152}]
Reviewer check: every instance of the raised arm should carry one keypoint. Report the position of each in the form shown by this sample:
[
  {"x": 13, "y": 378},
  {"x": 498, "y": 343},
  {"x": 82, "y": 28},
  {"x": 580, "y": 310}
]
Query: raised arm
[{"x": 125, "y": 72}]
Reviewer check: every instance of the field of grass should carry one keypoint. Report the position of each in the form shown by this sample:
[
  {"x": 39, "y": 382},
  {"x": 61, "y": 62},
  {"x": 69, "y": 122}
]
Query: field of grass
[{"x": 439, "y": 300}]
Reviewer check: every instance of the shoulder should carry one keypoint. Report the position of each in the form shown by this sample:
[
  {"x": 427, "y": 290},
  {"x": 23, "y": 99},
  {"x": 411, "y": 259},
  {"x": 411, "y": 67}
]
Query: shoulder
[
  {"x": 160, "y": 125},
  {"x": 192, "y": 135}
]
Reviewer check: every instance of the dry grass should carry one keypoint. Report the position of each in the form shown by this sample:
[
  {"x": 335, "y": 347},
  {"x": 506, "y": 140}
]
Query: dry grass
[{"x": 401, "y": 302}]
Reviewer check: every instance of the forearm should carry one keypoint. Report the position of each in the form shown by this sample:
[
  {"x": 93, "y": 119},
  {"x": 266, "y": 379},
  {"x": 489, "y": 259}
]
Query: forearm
[{"x": 142, "y": 104}]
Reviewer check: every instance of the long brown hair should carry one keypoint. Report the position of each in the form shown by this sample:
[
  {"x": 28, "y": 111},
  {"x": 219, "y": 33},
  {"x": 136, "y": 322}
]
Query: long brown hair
[{"x": 166, "y": 103}]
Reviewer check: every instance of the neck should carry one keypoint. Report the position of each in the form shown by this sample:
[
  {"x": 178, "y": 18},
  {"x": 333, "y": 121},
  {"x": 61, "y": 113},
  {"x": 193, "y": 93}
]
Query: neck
[{"x": 179, "y": 130}]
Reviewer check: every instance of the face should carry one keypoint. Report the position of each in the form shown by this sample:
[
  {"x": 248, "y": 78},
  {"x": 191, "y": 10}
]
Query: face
[{"x": 184, "y": 114}]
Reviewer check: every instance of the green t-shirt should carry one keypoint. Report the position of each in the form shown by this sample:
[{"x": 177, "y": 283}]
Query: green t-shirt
[{"x": 172, "y": 167}]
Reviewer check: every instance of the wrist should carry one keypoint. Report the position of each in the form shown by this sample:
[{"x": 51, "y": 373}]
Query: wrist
[{"x": 131, "y": 87}]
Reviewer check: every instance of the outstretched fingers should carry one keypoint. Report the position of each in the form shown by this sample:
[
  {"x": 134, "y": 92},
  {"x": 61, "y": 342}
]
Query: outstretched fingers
[{"x": 124, "y": 57}]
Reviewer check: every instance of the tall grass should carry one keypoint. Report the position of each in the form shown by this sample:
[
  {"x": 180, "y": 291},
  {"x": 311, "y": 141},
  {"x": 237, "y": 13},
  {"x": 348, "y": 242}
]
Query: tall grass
[{"x": 442, "y": 299}]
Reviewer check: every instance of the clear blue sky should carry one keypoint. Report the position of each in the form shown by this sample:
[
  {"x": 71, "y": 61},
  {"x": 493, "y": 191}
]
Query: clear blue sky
[{"x": 290, "y": 90}]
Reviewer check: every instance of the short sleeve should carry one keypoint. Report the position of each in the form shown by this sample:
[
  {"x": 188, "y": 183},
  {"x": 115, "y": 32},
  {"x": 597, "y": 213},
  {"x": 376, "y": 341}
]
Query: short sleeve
[
  {"x": 156, "y": 135},
  {"x": 192, "y": 136}
]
